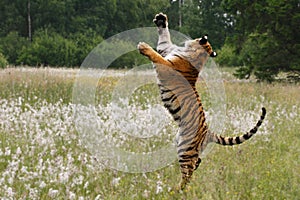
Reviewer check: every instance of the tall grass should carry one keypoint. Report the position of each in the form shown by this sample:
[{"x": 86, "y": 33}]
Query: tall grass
[{"x": 42, "y": 157}]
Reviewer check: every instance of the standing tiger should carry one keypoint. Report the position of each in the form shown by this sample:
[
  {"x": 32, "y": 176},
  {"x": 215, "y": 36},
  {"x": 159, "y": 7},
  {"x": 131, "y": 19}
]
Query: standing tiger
[{"x": 177, "y": 71}]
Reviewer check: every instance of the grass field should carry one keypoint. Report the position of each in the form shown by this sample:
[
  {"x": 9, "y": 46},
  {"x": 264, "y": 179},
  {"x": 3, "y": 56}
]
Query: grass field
[{"x": 42, "y": 156}]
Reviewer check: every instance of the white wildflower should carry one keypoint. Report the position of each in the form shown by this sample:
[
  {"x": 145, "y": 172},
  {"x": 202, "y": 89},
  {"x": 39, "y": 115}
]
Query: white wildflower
[
  {"x": 52, "y": 193},
  {"x": 7, "y": 151},
  {"x": 116, "y": 181},
  {"x": 18, "y": 151},
  {"x": 86, "y": 185},
  {"x": 159, "y": 188},
  {"x": 10, "y": 180},
  {"x": 64, "y": 177},
  {"x": 10, "y": 192},
  {"x": 33, "y": 193},
  {"x": 72, "y": 195},
  {"x": 146, "y": 194},
  {"x": 98, "y": 197},
  {"x": 42, "y": 184},
  {"x": 159, "y": 183},
  {"x": 77, "y": 180}
]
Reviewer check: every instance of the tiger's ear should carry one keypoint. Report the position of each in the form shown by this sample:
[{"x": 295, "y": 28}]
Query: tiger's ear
[
  {"x": 213, "y": 54},
  {"x": 203, "y": 39}
]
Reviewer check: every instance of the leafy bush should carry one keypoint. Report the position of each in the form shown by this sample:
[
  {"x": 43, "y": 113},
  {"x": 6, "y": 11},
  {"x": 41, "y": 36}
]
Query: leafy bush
[
  {"x": 116, "y": 53},
  {"x": 3, "y": 61},
  {"x": 49, "y": 49},
  {"x": 11, "y": 46},
  {"x": 262, "y": 55},
  {"x": 129, "y": 60},
  {"x": 227, "y": 56},
  {"x": 85, "y": 43}
]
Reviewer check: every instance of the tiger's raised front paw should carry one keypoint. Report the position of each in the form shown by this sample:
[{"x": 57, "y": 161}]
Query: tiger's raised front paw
[
  {"x": 144, "y": 48},
  {"x": 161, "y": 20}
]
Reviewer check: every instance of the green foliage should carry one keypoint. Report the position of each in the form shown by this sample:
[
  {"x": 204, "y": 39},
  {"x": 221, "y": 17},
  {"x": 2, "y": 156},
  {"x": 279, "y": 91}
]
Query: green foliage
[
  {"x": 64, "y": 32},
  {"x": 258, "y": 54},
  {"x": 48, "y": 49},
  {"x": 133, "y": 14},
  {"x": 128, "y": 60},
  {"x": 205, "y": 17},
  {"x": 54, "y": 50},
  {"x": 227, "y": 56},
  {"x": 85, "y": 42},
  {"x": 266, "y": 36},
  {"x": 11, "y": 46},
  {"x": 12, "y": 18},
  {"x": 3, "y": 61},
  {"x": 266, "y": 56},
  {"x": 261, "y": 36}
]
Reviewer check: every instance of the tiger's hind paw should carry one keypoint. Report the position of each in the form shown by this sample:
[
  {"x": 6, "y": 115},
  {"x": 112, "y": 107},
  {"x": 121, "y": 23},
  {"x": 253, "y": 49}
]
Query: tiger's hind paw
[
  {"x": 161, "y": 20},
  {"x": 179, "y": 189}
]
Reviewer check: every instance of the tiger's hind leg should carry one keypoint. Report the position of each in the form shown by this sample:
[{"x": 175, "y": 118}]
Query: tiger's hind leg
[
  {"x": 187, "y": 169},
  {"x": 186, "y": 176},
  {"x": 164, "y": 44}
]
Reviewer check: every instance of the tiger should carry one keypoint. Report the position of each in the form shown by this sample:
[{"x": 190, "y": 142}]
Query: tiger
[{"x": 177, "y": 69}]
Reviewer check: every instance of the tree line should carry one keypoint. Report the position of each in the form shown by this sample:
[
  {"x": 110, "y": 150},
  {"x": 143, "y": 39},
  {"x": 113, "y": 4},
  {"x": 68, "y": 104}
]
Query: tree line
[{"x": 261, "y": 38}]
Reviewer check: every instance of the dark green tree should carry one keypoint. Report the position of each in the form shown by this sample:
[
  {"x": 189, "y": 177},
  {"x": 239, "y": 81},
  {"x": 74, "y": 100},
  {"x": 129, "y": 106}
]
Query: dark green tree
[
  {"x": 133, "y": 14},
  {"x": 261, "y": 36},
  {"x": 205, "y": 17},
  {"x": 13, "y": 19},
  {"x": 266, "y": 36},
  {"x": 11, "y": 46}
]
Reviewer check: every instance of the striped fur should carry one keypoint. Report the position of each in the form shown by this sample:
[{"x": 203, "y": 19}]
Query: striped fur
[{"x": 177, "y": 72}]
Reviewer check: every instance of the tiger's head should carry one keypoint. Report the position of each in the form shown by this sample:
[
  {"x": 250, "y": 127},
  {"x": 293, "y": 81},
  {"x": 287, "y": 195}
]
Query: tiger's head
[
  {"x": 201, "y": 42},
  {"x": 197, "y": 51}
]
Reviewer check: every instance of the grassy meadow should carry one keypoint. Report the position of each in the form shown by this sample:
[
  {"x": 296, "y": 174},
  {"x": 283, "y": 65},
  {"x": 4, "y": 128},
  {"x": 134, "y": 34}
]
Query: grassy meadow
[{"x": 42, "y": 156}]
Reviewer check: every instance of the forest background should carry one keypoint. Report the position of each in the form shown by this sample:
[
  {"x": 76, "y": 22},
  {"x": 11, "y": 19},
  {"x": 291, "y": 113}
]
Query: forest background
[{"x": 259, "y": 38}]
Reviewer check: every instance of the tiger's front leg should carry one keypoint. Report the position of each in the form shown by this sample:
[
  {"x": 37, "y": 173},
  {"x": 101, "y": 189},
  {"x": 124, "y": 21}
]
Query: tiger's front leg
[
  {"x": 164, "y": 44},
  {"x": 155, "y": 57}
]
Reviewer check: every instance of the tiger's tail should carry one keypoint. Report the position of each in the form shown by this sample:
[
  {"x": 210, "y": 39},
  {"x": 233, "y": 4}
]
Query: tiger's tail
[{"x": 239, "y": 139}]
